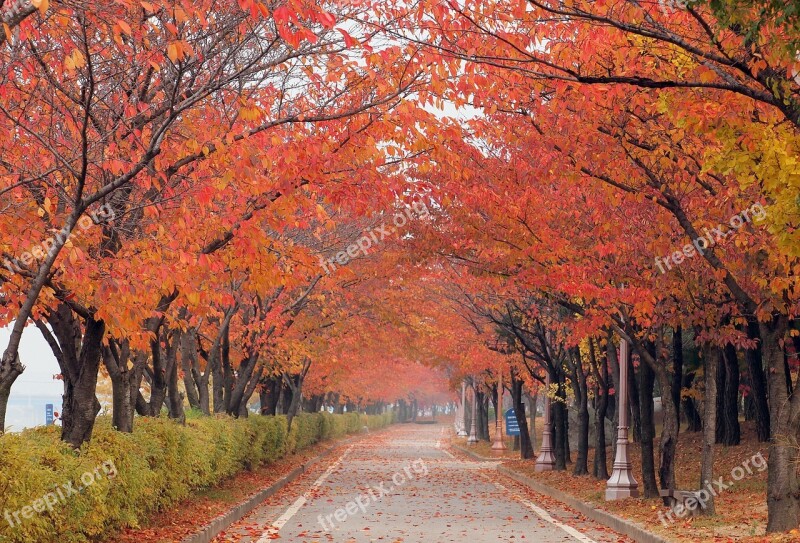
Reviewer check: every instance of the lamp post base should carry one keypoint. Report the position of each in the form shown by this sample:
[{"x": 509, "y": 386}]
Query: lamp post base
[
  {"x": 545, "y": 462},
  {"x": 622, "y": 485}
]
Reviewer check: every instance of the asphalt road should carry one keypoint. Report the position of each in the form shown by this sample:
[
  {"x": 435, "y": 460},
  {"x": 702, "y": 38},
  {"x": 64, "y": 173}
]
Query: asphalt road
[{"x": 403, "y": 485}]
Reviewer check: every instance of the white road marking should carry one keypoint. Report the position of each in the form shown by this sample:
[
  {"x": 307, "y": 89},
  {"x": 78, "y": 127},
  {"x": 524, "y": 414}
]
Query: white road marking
[
  {"x": 583, "y": 538},
  {"x": 276, "y": 526}
]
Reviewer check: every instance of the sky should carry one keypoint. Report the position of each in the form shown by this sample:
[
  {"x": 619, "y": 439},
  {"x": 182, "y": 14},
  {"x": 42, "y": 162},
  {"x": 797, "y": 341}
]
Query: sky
[{"x": 36, "y": 386}]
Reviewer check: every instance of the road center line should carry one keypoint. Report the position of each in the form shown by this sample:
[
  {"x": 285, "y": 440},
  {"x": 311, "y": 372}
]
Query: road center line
[{"x": 276, "y": 526}]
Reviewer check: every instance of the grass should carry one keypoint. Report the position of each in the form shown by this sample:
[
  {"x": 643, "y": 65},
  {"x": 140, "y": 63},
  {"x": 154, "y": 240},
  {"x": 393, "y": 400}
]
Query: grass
[{"x": 184, "y": 519}]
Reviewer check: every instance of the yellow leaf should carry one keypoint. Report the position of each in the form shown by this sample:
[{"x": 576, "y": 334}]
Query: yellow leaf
[
  {"x": 125, "y": 27},
  {"x": 707, "y": 76},
  {"x": 41, "y": 5},
  {"x": 78, "y": 60},
  {"x": 172, "y": 52}
]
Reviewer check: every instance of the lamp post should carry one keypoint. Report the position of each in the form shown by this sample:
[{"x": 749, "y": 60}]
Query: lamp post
[
  {"x": 462, "y": 412},
  {"x": 546, "y": 461},
  {"x": 473, "y": 428},
  {"x": 499, "y": 445},
  {"x": 621, "y": 484}
]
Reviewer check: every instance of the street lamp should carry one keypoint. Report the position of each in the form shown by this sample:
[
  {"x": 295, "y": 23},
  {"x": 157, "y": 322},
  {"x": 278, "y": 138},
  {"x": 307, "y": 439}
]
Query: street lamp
[
  {"x": 462, "y": 412},
  {"x": 621, "y": 484},
  {"x": 499, "y": 445},
  {"x": 473, "y": 428},
  {"x": 546, "y": 461}
]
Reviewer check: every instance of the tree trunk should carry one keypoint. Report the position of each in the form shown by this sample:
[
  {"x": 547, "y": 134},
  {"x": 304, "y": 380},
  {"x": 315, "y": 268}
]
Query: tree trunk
[
  {"x": 270, "y": 390},
  {"x": 286, "y": 400},
  {"x": 204, "y": 396},
  {"x": 648, "y": 430},
  {"x": 532, "y": 402},
  {"x": 220, "y": 374},
  {"x": 10, "y": 369},
  {"x": 525, "y": 447},
  {"x": 668, "y": 446},
  {"x": 783, "y": 487},
  {"x": 694, "y": 422},
  {"x": 582, "y": 399},
  {"x": 719, "y": 433},
  {"x": 483, "y": 416},
  {"x": 712, "y": 360},
  {"x": 599, "y": 369},
  {"x": 758, "y": 383},
  {"x": 123, "y": 407},
  {"x": 125, "y": 375},
  {"x": 559, "y": 413},
  {"x": 633, "y": 400},
  {"x": 295, "y": 383},
  {"x": 677, "y": 373},
  {"x": 191, "y": 372},
  {"x": 174, "y": 395},
  {"x": 81, "y": 406},
  {"x": 242, "y": 384},
  {"x": 730, "y": 419}
]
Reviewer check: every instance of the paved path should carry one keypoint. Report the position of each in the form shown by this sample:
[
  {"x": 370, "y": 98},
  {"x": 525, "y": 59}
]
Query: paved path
[{"x": 402, "y": 485}]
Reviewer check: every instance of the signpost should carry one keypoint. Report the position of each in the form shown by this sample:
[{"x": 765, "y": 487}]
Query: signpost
[
  {"x": 48, "y": 414},
  {"x": 512, "y": 425}
]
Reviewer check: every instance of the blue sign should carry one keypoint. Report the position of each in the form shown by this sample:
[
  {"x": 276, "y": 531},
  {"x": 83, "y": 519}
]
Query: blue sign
[
  {"x": 512, "y": 426},
  {"x": 48, "y": 414}
]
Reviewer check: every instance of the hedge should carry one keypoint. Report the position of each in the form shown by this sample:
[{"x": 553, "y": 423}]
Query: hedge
[{"x": 122, "y": 479}]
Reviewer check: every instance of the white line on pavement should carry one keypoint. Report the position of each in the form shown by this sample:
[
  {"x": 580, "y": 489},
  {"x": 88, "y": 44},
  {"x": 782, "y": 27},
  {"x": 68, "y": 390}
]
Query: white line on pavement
[
  {"x": 276, "y": 526},
  {"x": 546, "y": 516}
]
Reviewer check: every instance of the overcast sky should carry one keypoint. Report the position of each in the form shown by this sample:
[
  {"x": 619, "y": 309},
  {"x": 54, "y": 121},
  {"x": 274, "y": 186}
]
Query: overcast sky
[{"x": 40, "y": 365}]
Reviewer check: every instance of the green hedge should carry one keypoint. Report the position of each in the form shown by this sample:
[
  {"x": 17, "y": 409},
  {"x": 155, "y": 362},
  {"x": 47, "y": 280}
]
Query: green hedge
[{"x": 158, "y": 465}]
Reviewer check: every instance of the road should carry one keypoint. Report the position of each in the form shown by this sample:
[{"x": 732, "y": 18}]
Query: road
[{"x": 403, "y": 485}]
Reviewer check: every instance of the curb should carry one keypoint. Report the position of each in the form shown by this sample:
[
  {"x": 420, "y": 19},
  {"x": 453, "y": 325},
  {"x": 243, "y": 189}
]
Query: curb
[
  {"x": 618, "y": 524},
  {"x": 476, "y": 456},
  {"x": 610, "y": 520},
  {"x": 221, "y": 523}
]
